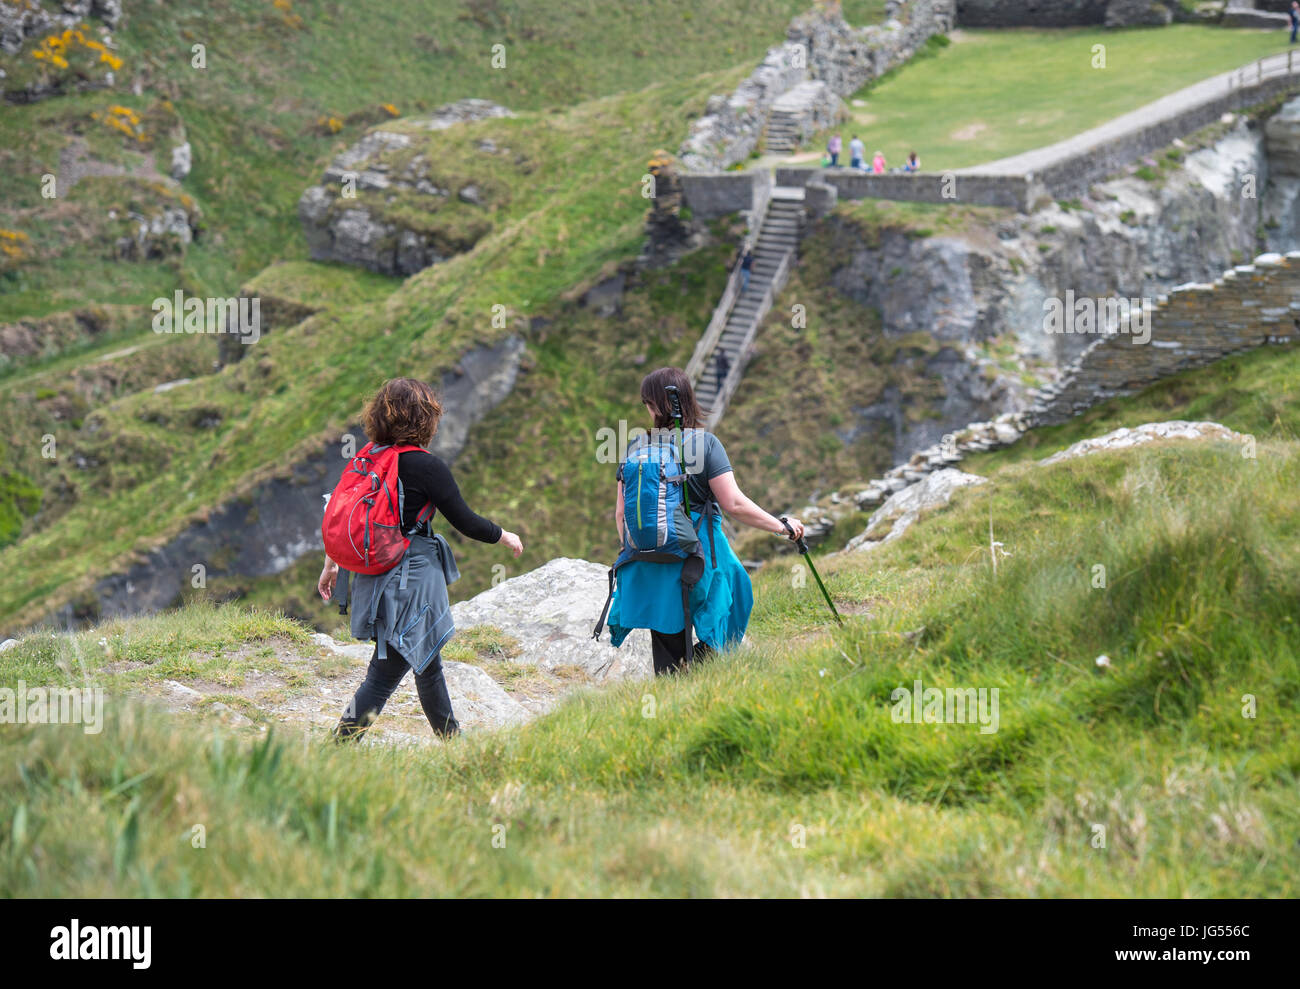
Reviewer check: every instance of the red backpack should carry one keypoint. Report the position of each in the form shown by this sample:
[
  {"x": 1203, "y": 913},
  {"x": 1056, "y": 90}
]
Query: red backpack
[{"x": 362, "y": 527}]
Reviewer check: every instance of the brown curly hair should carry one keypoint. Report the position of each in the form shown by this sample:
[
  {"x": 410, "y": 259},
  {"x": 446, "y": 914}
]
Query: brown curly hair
[{"x": 403, "y": 411}]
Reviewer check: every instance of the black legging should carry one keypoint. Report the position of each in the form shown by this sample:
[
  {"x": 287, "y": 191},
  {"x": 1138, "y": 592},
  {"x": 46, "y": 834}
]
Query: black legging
[
  {"x": 668, "y": 650},
  {"x": 382, "y": 679}
]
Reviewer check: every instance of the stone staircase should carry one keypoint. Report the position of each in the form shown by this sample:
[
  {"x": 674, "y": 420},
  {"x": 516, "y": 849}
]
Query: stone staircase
[
  {"x": 783, "y": 132},
  {"x": 795, "y": 114},
  {"x": 736, "y": 319}
]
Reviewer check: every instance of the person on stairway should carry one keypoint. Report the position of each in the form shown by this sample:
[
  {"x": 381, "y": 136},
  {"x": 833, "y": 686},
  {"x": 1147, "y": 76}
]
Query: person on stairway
[{"x": 723, "y": 367}]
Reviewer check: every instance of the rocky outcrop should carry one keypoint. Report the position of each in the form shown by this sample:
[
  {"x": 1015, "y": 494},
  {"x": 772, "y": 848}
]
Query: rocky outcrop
[
  {"x": 821, "y": 47},
  {"x": 345, "y": 219},
  {"x": 1244, "y": 15},
  {"x": 551, "y": 611},
  {"x": 902, "y": 508},
  {"x": 1123, "y": 438},
  {"x": 543, "y": 618},
  {"x": 669, "y": 235},
  {"x": 24, "y": 19},
  {"x": 165, "y": 230},
  {"x": 1137, "y": 13},
  {"x": 897, "y": 514},
  {"x": 266, "y": 530}
]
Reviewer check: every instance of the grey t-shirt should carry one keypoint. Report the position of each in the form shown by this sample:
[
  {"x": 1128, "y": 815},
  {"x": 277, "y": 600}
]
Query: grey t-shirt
[{"x": 704, "y": 455}]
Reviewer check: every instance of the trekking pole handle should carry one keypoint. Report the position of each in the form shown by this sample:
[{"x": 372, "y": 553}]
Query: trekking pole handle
[
  {"x": 675, "y": 401},
  {"x": 803, "y": 546}
]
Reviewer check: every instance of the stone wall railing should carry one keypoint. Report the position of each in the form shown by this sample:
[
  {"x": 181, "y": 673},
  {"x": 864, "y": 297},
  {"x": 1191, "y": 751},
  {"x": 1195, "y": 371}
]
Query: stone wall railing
[{"x": 1194, "y": 325}]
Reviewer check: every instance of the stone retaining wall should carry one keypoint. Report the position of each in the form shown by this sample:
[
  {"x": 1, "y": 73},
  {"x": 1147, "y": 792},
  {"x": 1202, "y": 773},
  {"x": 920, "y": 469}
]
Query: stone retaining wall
[
  {"x": 722, "y": 193},
  {"x": 1071, "y": 174},
  {"x": 1013, "y": 191},
  {"x": 1063, "y": 13},
  {"x": 1194, "y": 325}
]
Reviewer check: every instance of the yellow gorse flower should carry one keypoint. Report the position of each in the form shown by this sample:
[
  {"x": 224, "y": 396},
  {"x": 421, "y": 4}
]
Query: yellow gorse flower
[
  {"x": 56, "y": 48},
  {"x": 11, "y": 244}
]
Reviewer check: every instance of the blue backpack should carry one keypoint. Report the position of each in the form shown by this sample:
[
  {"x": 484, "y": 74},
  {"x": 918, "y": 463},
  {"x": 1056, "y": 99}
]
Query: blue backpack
[
  {"x": 657, "y": 521},
  {"x": 654, "y": 503}
]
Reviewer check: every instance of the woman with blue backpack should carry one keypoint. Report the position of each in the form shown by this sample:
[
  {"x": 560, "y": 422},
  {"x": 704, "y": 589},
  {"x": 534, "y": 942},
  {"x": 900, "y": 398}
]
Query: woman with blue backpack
[
  {"x": 677, "y": 574},
  {"x": 376, "y": 527}
]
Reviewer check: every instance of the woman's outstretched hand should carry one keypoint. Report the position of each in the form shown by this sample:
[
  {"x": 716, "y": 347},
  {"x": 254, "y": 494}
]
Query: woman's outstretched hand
[
  {"x": 796, "y": 525},
  {"x": 511, "y": 541},
  {"x": 328, "y": 578}
]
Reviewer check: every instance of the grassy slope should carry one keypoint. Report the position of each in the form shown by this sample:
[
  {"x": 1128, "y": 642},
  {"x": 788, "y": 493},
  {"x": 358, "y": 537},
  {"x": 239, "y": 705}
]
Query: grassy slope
[
  {"x": 792, "y": 737},
  {"x": 997, "y": 93},
  {"x": 253, "y": 155}
]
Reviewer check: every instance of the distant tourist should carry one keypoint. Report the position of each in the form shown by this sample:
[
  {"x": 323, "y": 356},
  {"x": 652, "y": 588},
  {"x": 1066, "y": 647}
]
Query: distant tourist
[
  {"x": 723, "y": 367},
  {"x": 1294, "y": 14},
  {"x": 878, "y": 163},
  {"x": 857, "y": 150},
  {"x": 833, "y": 148},
  {"x": 746, "y": 265},
  {"x": 913, "y": 163}
]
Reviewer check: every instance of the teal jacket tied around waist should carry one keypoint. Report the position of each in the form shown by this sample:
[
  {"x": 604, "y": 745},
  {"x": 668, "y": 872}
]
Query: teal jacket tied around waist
[{"x": 649, "y": 595}]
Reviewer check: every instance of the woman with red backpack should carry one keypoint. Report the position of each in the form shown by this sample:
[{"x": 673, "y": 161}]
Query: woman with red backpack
[{"x": 377, "y": 526}]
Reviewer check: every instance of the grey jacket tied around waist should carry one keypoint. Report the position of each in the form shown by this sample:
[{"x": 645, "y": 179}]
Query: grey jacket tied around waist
[{"x": 408, "y": 605}]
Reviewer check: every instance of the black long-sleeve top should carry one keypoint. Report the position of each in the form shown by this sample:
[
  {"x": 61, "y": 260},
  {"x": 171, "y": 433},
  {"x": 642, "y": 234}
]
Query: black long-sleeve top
[{"x": 426, "y": 478}]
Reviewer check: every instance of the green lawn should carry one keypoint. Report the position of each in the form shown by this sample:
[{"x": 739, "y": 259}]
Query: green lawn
[{"x": 991, "y": 94}]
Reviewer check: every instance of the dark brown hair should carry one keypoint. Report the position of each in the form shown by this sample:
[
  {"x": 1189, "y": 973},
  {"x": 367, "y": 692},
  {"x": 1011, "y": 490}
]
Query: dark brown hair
[
  {"x": 403, "y": 411},
  {"x": 655, "y": 394}
]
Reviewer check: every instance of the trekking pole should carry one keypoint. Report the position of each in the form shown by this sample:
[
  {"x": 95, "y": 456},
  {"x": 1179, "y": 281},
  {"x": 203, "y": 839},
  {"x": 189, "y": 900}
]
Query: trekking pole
[
  {"x": 803, "y": 551},
  {"x": 675, "y": 400}
]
